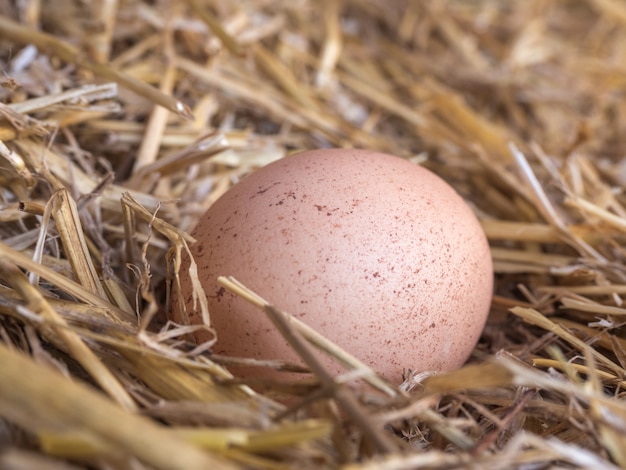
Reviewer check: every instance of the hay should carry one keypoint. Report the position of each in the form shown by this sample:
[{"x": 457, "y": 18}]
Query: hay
[{"x": 121, "y": 122}]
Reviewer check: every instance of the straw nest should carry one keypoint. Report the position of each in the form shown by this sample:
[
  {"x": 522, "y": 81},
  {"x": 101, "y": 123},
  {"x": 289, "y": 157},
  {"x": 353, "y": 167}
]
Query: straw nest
[{"x": 122, "y": 121}]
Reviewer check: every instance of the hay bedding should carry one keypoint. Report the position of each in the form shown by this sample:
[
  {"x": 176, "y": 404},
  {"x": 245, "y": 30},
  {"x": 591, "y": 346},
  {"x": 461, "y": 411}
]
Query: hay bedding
[{"x": 122, "y": 121}]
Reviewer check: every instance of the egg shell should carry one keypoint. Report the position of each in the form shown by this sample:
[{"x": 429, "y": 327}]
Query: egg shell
[{"x": 376, "y": 253}]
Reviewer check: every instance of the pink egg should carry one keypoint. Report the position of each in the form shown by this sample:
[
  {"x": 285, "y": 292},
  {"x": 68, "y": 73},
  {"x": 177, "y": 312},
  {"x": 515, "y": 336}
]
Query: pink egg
[{"x": 376, "y": 253}]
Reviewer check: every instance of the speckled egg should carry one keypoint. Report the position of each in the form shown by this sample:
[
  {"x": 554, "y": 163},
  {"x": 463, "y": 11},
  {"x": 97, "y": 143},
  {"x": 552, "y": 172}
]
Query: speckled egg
[{"x": 376, "y": 253}]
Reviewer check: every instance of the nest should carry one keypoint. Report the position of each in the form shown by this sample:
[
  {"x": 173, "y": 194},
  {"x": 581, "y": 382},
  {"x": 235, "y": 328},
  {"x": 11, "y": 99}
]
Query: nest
[{"x": 121, "y": 122}]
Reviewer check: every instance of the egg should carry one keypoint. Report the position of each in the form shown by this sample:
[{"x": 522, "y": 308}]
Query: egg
[{"x": 376, "y": 253}]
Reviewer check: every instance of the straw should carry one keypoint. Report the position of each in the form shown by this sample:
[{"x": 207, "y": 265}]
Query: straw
[{"x": 121, "y": 123}]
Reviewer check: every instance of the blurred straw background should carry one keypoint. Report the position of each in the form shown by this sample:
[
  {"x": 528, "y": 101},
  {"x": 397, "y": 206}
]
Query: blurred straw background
[{"x": 122, "y": 121}]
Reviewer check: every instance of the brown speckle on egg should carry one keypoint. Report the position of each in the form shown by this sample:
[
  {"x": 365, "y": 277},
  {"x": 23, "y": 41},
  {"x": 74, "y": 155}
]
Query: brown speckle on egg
[{"x": 378, "y": 254}]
